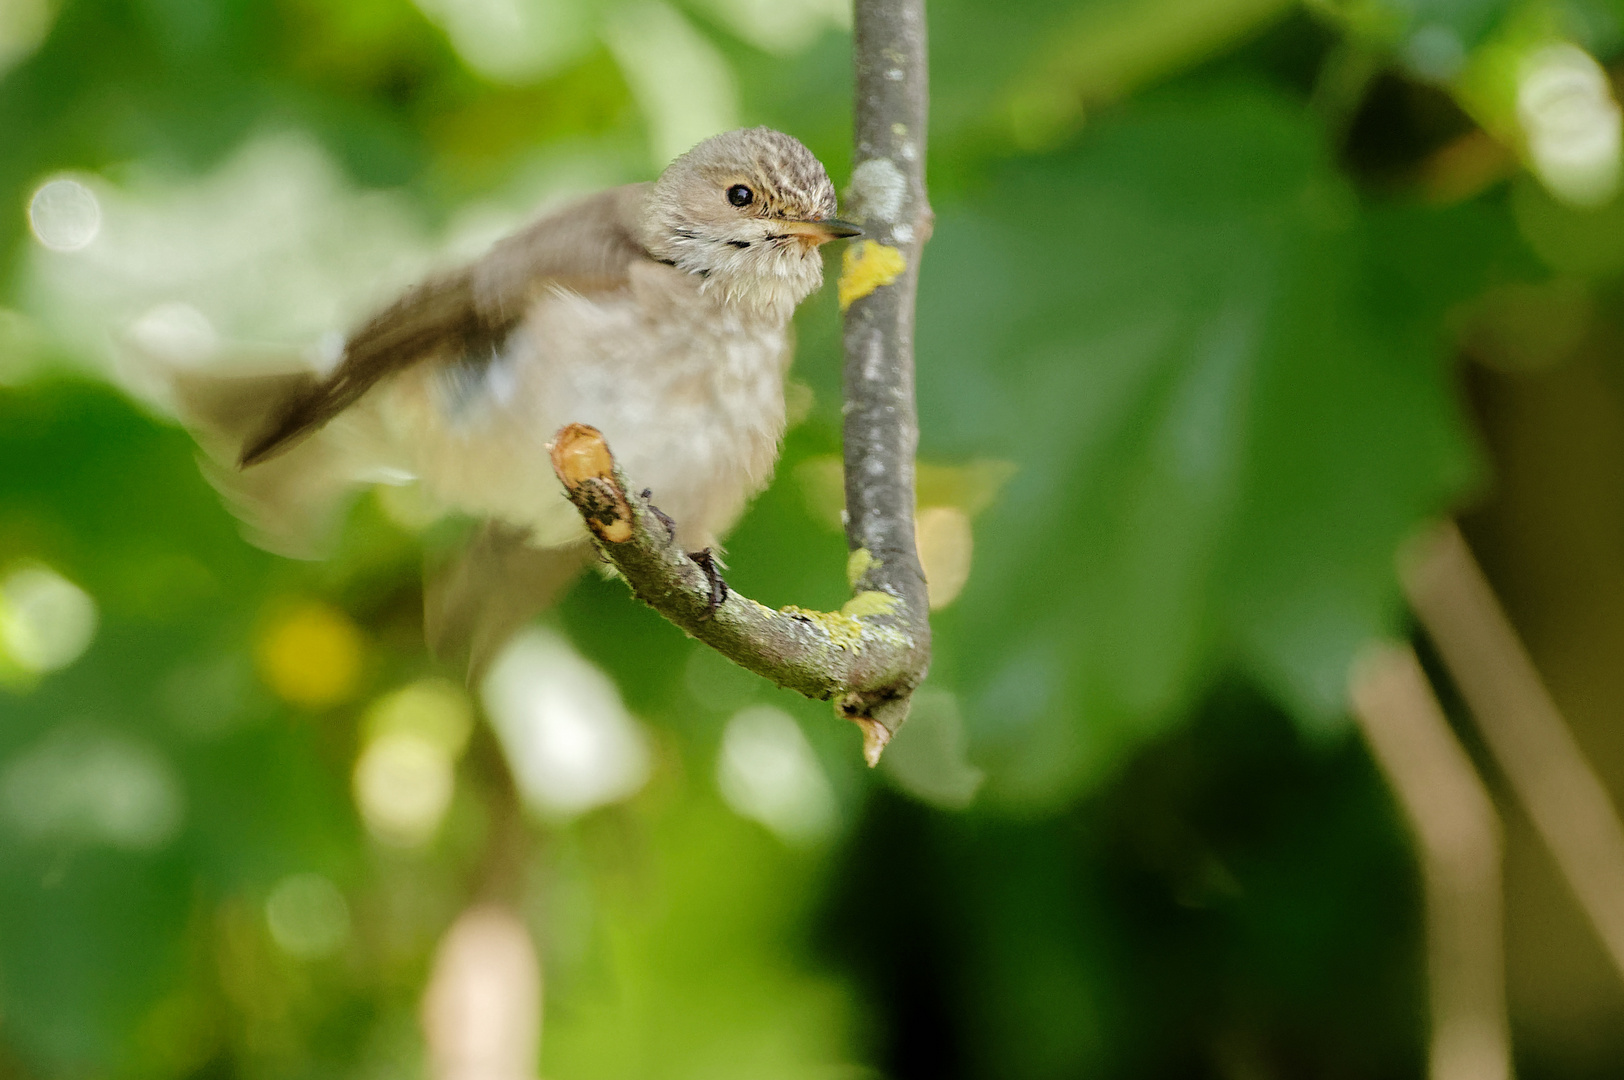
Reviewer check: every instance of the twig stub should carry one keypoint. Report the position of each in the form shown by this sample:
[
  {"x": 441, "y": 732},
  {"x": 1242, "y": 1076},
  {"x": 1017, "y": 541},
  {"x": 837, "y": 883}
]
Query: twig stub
[{"x": 582, "y": 461}]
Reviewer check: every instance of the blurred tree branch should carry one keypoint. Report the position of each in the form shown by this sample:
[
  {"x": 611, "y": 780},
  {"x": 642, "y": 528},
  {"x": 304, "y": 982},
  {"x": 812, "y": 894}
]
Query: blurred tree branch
[
  {"x": 1523, "y": 728},
  {"x": 1458, "y": 835},
  {"x": 870, "y": 655}
]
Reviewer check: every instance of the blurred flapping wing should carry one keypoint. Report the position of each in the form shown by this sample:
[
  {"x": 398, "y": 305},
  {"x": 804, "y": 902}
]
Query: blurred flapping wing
[{"x": 588, "y": 246}]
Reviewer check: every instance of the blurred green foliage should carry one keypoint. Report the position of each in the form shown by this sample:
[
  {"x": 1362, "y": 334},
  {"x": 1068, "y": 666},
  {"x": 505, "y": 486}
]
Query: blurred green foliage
[{"x": 1190, "y": 294}]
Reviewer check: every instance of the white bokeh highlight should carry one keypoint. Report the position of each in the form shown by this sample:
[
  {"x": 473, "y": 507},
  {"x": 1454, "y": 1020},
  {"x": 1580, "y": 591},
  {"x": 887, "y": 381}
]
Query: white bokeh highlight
[
  {"x": 64, "y": 215},
  {"x": 247, "y": 266},
  {"x": 482, "y": 1010},
  {"x": 403, "y": 784},
  {"x": 566, "y": 733},
  {"x": 1571, "y": 123},
  {"x": 83, "y": 786},
  {"x": 767, "y": 772},
  {"x": 46, "y": 621},
  {"x": 405, "y": 775}
]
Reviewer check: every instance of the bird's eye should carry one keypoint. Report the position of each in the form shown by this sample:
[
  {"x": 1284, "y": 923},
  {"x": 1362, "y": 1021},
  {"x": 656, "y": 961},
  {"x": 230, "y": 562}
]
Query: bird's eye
[{"x": 739, "y": 195}]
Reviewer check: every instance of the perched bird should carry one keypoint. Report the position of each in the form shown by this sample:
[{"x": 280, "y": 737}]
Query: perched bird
[{"x": 657, "y": 312}]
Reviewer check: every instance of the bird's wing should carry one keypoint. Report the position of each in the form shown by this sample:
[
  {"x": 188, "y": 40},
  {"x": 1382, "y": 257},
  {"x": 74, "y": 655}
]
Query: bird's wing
[{"x": 587, "y": 247}]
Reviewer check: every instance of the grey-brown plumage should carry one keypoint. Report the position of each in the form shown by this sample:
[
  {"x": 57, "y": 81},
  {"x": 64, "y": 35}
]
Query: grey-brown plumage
[
  {"x": 656, "y": 312},
  {"x": 586, "y": 247}
]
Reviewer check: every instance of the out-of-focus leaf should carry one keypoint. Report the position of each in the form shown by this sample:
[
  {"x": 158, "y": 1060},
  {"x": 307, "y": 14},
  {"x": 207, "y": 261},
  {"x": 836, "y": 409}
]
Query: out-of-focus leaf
[
  {"x": 1587, "y": 243},
  {"x": 1025, "y": 71},
  {"x": 692, "y": 973},
  {"x": 1434, "y": 39},
  {"x": 1109, "y": 49},
  {"x": 1226, "y": 414}
]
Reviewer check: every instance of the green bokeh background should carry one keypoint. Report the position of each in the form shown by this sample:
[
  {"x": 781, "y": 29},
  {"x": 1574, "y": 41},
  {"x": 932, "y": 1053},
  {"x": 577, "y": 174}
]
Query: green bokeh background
[{"x": 1200, "y": 346}]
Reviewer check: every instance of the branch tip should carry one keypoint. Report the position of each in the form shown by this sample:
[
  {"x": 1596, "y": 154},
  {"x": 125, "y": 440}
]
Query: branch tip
[
  {"x": 587, "y": 469},
  {"x": 875, "y": 739}
]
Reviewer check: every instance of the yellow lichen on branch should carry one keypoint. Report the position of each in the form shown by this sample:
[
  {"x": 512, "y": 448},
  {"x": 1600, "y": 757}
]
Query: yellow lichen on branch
[
  {"x": 858, "y": 563},
  {"x": 842, "y": 630},
  {"x": 865, "y": 267}
]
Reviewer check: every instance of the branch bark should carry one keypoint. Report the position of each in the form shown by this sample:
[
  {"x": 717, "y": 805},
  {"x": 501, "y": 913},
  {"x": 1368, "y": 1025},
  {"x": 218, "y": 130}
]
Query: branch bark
[
  {"x": 881, "y": 431},
  {"x": 870, "y": 655}
]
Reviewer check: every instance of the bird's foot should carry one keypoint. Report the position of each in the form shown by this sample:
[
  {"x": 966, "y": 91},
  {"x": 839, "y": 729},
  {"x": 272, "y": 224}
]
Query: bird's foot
[
  {"x": 718, "y": 587},
  {"x": 670, "y": 526}
]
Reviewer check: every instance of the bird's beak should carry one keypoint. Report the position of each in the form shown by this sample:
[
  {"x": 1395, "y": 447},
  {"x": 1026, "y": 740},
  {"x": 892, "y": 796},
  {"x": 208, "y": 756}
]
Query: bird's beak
[{"x": 821, "y": 232}]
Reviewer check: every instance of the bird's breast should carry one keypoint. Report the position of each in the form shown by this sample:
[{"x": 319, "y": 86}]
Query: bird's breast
[{"x": 688, "y": 393}]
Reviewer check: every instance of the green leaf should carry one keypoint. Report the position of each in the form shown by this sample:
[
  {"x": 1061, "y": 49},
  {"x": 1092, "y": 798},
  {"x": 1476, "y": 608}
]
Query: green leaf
[{"x": 1227, "y": 411}]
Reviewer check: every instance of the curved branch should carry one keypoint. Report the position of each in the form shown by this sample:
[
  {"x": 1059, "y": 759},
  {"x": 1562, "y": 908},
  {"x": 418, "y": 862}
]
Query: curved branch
[{"x": 861, "y": 655}]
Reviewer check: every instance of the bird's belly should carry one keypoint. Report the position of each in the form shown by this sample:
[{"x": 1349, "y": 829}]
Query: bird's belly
[{"x": 693, "y": 412}]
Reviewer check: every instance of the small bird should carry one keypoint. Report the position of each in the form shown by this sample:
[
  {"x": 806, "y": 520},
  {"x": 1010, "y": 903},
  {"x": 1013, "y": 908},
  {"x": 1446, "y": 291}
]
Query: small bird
[{"x": 657, "y": 312}]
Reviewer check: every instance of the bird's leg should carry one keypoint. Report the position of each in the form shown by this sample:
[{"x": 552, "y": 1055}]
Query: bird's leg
[
  {"x": 706, "y": 561},
  {"x": 718, "y": 587}
]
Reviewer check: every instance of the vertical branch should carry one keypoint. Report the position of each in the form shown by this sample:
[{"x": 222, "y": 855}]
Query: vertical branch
[
  {"x": 1458, "y": 836},
  {"x": 881, "y": 431}
]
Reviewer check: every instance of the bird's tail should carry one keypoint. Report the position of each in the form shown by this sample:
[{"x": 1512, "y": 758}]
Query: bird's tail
[
  {"x": 491, "y": 585},
  {"x": 292, "y": 504}
]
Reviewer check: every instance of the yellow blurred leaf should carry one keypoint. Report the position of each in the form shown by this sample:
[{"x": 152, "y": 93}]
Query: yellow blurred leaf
[{"x": 310, "y": 655}]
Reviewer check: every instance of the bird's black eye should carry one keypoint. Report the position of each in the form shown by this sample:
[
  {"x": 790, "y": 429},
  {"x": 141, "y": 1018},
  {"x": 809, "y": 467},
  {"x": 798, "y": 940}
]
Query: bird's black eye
[{"x": 739, "y": 195}]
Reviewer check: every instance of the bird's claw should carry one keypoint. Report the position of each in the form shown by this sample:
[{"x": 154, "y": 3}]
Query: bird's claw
[
  {"x": 665, "y": 519},
  {"x": 718, "y": 587}
]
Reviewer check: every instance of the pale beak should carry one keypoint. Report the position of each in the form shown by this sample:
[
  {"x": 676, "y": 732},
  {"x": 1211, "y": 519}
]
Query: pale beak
[{"x": 821, "y": 232}]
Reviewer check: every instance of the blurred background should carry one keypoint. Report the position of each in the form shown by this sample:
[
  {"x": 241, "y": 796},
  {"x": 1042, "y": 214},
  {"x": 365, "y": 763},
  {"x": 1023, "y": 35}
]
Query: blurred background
[{"x": 1227, "y": 300}]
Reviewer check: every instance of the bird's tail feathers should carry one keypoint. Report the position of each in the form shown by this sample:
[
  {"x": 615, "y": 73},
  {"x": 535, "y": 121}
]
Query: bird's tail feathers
[
  {"x": 495, "y": 583},
  {"x": 291, "y": 505}
]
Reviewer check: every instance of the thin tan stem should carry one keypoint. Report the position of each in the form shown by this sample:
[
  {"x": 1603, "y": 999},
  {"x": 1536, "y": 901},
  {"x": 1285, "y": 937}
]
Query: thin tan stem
[
  {"x": 1524, "y": 729},
  {"x": 1458, "y": 834}
]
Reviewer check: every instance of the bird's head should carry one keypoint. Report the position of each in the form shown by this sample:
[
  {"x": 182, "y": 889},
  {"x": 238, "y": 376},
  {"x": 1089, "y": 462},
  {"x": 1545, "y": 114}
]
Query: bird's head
[{"x": 748, "y": 209}]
